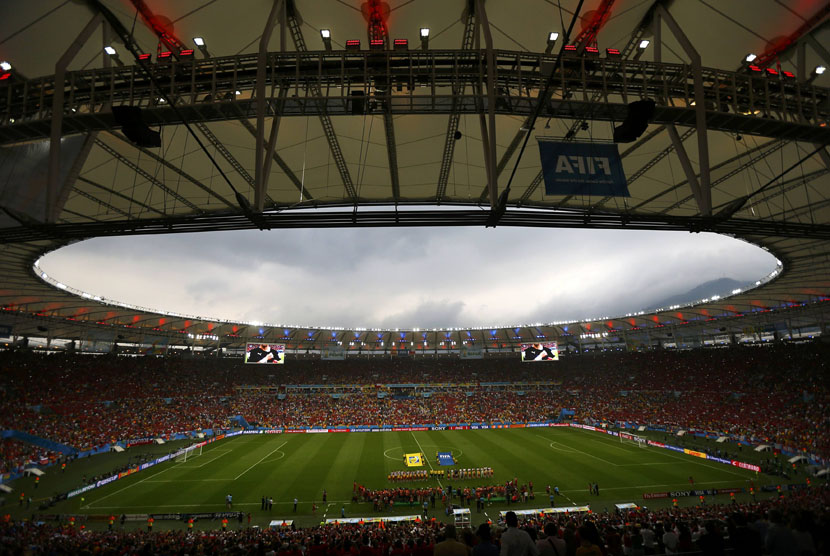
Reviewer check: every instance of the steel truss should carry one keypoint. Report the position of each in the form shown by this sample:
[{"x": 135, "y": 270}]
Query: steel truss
[
  {"x": 322, "y": 83},
  {"x": 416, "y": 218}
]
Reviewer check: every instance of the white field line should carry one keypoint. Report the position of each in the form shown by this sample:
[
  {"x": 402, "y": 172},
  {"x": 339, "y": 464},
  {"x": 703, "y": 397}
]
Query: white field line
[
  {"x": 221, "y": 453},
  {"x": 721, "y": 467},
  {"x": 131, "y": 485},
  {"x": 607, "y": 445},
  {"x": 260, "y": 461},
  {"x": 425, "y": 456},
  {"x": 578, "y": 451}
]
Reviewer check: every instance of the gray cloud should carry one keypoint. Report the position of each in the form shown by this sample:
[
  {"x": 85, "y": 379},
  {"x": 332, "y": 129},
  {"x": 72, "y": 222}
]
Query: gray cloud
[{"x": 404, "y": 277}]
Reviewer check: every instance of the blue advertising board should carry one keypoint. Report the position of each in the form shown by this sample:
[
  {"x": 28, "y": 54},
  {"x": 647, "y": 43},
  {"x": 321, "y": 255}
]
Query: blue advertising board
[{"x": 582, "y": 169}]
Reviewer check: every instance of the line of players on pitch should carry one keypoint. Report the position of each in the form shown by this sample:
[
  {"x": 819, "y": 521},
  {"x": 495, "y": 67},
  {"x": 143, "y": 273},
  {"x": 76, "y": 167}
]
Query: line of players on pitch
[{"x": 424, "y": 474}]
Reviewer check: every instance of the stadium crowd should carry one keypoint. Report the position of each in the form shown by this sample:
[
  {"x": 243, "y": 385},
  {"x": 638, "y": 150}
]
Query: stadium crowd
[
  {"x": 777, "y": 394},
  {"x": 797, "y": 524}
]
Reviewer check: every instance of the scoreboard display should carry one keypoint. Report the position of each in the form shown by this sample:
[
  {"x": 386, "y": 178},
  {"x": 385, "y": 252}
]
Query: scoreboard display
[
  {"x": 265, "y": 353},
  {"x": 540, "y": 351}
]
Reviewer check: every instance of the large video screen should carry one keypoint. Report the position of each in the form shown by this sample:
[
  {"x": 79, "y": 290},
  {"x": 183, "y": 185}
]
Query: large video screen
[
  {"x": 265, "y": 353},
  {"x": 540, "y": 351}
]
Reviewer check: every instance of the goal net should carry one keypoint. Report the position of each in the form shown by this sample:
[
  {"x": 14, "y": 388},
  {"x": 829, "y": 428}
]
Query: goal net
[
  {"x": 190, "y": 452},
  {"x": 626, "y": 438}
]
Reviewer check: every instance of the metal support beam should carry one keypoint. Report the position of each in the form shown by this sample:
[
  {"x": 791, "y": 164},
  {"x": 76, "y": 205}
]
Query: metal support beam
[
  {"x": 226, "y": 154},
  {"x": 705, "y": 201},
  {"x": 768, "y": 148},
  {"x": 120, "y": 195},
  {"x": 178, "y": 171},
  {"x": 73, "y": 173},
  {"x": 771, "y": 147},
  {"x": 277, "y": 158},
  {"x": 470, "y": 33},
  {"x": 633, "y": 42},
  {"x": 141, "y": 172},
  {"x": 391, "y": 146},
  {"x": 56, "y": 130},
  {"x": 261, "y": 178},
  {"x": 489, "y": 129},
  {"x": 825, "y": 157},
  {"x": 819, "y": 48},
  {"x": 325, "y": 119}
]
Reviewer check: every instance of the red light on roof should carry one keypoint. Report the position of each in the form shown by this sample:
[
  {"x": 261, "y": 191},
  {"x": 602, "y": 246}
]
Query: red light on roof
[
  {"x": 613, "y": 51},
  {"x": 187, "y": 52},
  {"x": 352, "y": 44},
  {"x": 788, "y": 74},
  {"x": 754, "y": 68},
  {"x": 592, "y": 49},
  {"x": 5, "y": 76},
  {"x": 772, "y": 71},
  {"x": 401, "y": 41},
  {"x": 164, "y": 54},
  {"x": 570, "y": 48},
  {"x": 376, "y": 42},
  {"x": 143, "y": 57}
]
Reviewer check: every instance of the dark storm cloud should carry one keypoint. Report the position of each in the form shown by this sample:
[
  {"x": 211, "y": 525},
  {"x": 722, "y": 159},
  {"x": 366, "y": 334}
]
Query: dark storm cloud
[{"x": 428, "y": 278}]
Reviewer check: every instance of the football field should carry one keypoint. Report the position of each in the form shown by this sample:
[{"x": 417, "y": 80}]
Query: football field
[{"x": 301, "y": 466}]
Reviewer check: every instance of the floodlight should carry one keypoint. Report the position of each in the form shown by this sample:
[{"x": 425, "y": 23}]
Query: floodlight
[
  {"x": 424, "y": 32},
  {"x": 553, "y": 36},
  {"x": 750, "y": 57},
  {"x": 325, "y": 33},
  {"x": 109, "y": 50},
  {"x": 198, "y": 41},
  {"x": 5, "y": 66},
  {"x": 644, "y": 43},
  {"x": 819, "y": 70}
]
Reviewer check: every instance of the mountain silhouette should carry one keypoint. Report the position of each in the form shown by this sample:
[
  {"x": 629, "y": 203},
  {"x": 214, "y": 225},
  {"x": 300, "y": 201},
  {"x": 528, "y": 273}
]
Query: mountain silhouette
[{"x": 720, "y": 286}]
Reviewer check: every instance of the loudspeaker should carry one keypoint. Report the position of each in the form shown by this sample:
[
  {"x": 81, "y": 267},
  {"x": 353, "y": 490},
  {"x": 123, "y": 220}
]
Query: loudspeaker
[
  {"x": 636, "y": 122},
  {"x": 133, "y": 126},
  {"x": 358, "y": 103}
]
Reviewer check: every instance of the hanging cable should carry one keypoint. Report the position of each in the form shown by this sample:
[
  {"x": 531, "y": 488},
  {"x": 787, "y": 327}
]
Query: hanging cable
[{"x": 130, "y": 45}]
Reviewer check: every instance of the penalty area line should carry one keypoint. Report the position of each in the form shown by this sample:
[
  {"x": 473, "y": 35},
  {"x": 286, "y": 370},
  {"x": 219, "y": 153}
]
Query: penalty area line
[{"x": 261, "y": 460}]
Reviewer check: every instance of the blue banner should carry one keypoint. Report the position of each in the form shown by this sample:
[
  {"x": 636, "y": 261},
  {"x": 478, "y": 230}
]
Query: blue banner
[
  {"x": 445, "y": 458},
  {"x": 582, "y": 169}
]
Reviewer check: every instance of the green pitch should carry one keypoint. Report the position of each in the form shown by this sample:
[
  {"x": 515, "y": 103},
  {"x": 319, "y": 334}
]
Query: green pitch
[{"x": 289, "y": 466}]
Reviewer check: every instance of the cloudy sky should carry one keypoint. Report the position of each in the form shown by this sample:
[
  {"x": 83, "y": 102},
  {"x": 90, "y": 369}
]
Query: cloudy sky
[{"x": 404, "y": 277}]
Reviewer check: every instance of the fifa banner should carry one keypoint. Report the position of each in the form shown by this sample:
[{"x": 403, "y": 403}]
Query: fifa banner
[
  {"x": 413, "y": 460},
  {"x": 265, "y": 353},
  {"x": 547, "y": 351},
  {"x": 472, "y": 352},
  {"x": 582, "y": 169},
  {"x": 332, "y": 353}
]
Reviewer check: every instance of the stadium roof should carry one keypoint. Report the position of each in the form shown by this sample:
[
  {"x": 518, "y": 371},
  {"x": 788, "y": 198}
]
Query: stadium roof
[{"x": 394, "y": 134}]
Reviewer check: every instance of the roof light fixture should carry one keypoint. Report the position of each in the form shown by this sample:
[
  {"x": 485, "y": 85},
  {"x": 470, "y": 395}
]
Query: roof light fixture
[
  {"x": 750, "y": 57},
  {"x": 819, "y": 69},
  {"x": 198, "y": 41},
  {"x": 325, "y": 34},
  {"x": 424, "y": 32},
  {"x": 110, "y": 50},
  {"x": 552, "y": 36},
  {"x": 5, "y": 66},
  {"x": 644, "y": 43}
]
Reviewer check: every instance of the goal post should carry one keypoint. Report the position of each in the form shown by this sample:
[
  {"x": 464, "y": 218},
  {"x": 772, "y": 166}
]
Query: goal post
[
  {"x": 189, "y": 453},
  {"x": 626, "y": 438}
]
